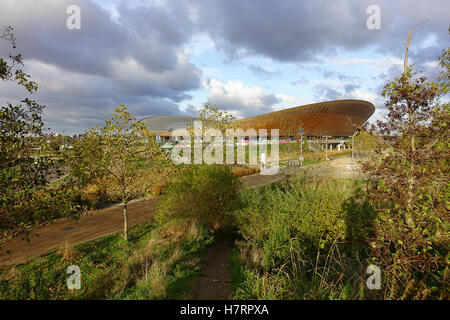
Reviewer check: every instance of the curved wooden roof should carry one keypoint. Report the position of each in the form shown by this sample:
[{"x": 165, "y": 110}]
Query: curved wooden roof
[{"x": 330, "y": 118}]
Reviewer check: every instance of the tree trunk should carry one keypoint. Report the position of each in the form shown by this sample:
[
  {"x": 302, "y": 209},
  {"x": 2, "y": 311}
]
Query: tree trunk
[
  {"x": 405, "y": 62},
  {"x": 125, "y": 222}
]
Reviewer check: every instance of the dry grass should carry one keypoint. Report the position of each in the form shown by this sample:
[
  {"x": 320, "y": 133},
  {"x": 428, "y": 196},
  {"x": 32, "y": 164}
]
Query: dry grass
[
  {"x": 158, "y": 189},
  {"x": 67, "y": 252},
  {"x": 240, "y": 172},
  {"x": 157, "y": 280}
]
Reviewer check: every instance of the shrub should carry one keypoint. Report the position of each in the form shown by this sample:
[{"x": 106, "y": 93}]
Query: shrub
[
  {"x": 303, "y": 213},
  {"x": 300, "y": 241},
  {"x": 204, "y": 193}
]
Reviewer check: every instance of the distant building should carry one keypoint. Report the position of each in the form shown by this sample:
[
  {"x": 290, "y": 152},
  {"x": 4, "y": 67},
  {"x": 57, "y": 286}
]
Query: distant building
[
  {"x": 162, "y": 126},
  {"x": 334, "y": 119}
]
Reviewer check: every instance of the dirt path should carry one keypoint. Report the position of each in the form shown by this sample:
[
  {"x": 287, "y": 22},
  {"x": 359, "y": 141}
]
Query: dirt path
[
  {"x": 214, "y": 282},
  {"x": 55, "y": 236}
]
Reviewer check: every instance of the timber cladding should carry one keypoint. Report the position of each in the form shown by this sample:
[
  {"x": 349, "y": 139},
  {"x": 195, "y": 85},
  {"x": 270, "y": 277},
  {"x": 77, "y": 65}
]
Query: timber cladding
[
  {"x": 336, "y": 118},
  {"x": 330, "y": 118}
]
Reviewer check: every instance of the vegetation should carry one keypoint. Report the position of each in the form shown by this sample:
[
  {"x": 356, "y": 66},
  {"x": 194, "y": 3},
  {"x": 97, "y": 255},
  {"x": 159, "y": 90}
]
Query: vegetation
[
  {"x": 201, "y": 193},
  {"x": 211, "y": 117},
  {"x": 364, "y": 144},
  {"x": 313, "y": 240},
  {"x": 25, "y": 170},
  {"x": 301, "y": 240},
  {"x": 306, "y": 237},
  {"x": 411, "y": 198},
  {"x": 122, "y": 153},
  {"x": 157, "y": 262}
]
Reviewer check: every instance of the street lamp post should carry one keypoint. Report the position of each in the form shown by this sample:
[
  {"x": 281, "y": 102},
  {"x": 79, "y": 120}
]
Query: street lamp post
[{"x": 326, "y": 148}]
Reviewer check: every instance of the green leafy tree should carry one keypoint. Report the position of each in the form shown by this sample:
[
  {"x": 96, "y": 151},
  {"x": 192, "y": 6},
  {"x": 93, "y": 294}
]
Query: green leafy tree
[
  {"x": 212, "y": 117},
  {"x": 125, "y": 154},
  {"x": 411, "y": 165},
  {"x": 25, "y": 168},
  {"x": 364, "y": 143},
  {"x": 204, "y": 193}
]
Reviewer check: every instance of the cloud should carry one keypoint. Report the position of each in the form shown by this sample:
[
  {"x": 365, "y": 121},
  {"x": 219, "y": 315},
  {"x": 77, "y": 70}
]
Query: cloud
[
  {"x": 376, "y": 64},
  {"x": 351, "y": 87},
  {"x": 243, "y": 101},
  {"x": 287, "y": 31},
  {"x": 263, "y": 73},
  {"x": 303, "y": 31},
  {"x": 139, "y": 52},
  {"x": 326, "y": 91},
  {"x": 136, "y": 57},
  {"x": 335, "y": 91},
  {"x": 300, "y": 82}
]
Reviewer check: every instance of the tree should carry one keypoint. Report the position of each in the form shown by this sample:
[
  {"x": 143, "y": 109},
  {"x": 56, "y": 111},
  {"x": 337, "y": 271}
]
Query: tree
[
  {"x": 364, "y": 143},
  {"x": 212, "y": 117},
  {"x": 25, "y": 165},
  {"x": 411, "y": 197},
  {"x": 9, "y": 70},
  {"x": 123, "y": 152},
  {"x": 81, "y": 161}
]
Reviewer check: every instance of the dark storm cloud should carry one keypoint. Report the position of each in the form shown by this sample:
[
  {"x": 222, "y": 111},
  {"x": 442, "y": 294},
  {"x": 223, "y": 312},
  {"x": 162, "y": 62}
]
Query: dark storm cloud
[
  {"x": 156, "y": 32},
  {"x": 286, "y": 30},
  {"x": 149, "y": 34},
  {"x": 300, "y": 31},
  {"x": 136, "y": 59},
  {"x": 40, "y": 28}
]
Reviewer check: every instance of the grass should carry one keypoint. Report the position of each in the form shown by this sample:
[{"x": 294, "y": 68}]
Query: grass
[
  {"x": 236, "y": 271},
  {"x": 301, "y": 240},
  {"x": 292, "y": 247},
  {"x": 151, "y": 265}
]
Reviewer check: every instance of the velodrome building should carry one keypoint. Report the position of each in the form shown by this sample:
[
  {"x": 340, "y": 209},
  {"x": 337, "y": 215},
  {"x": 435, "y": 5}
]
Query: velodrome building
[{"x": 335, "y": 119}]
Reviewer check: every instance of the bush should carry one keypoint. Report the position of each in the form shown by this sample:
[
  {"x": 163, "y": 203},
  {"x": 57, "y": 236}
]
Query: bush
[
  {"x": 303, "y": 213},
  {"x": 204, "y": 193},
  {"x": 300, "y": 241}
]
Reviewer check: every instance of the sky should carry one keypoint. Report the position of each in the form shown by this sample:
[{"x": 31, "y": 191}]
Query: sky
[{"x": 248, "y": 57}]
